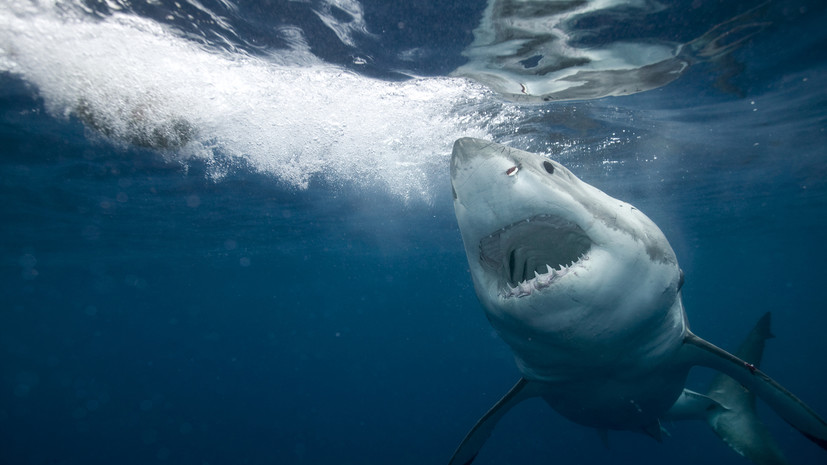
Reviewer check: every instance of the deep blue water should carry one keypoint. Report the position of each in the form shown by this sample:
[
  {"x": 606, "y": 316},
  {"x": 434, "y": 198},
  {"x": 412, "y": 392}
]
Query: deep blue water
[{"x": 227, "y": 233}]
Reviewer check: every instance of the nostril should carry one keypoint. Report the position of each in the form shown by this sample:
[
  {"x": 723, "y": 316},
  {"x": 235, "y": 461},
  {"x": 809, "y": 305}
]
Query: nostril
[{"x": 512, "y": 171}]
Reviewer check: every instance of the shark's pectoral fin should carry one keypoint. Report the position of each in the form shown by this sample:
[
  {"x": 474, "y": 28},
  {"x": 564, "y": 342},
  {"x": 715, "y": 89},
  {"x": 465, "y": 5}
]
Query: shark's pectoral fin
[
  {"x": 697, "y": 351},
  {"x": 471, "y": 445}
]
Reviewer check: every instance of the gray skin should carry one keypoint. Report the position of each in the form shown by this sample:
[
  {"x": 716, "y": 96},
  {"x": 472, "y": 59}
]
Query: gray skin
[
  {"x": 585, "y": 289},
  {"x": 729, "y": 409}
]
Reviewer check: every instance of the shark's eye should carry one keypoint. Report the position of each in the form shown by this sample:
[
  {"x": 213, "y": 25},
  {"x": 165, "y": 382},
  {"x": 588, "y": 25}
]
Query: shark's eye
[
  {"x": 513, "y": 170},
  {"x": 549, "y": 167}
]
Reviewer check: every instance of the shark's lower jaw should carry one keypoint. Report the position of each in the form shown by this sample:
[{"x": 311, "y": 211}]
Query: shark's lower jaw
[{"x": 531, "y": 254}]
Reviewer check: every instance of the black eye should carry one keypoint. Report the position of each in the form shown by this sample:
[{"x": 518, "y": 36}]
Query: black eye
[{"x": 549, "y": 167}]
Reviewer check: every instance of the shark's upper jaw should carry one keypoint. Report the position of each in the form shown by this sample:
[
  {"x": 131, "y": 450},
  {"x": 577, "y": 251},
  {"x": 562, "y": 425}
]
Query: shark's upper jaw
[{"x": 531, "y": 254}]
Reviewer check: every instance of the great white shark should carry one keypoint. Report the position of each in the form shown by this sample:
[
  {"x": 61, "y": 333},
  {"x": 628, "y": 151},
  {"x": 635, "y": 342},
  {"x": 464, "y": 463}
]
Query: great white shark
[{"x": 586, "y": 291}]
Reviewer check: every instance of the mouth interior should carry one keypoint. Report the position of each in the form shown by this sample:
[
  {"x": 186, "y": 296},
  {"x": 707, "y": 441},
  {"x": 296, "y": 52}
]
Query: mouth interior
[{"x": 534, "y": 251}]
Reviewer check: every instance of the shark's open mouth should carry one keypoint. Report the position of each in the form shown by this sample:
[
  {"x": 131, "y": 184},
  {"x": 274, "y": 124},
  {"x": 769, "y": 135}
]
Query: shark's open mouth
[{"x": 531, "y": 254}]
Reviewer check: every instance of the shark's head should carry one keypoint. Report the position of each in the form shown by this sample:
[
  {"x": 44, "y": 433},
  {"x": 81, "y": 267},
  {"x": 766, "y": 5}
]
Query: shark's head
[{"x": 557, "y": 263}]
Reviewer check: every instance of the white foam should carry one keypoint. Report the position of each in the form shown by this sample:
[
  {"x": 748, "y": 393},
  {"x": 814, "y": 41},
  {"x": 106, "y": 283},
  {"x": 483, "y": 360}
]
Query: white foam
[{"x": 138, "y": 81}]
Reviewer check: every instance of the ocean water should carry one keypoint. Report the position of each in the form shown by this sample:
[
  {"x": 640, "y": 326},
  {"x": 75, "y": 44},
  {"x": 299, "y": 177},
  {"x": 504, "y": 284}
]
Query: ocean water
[{"x": 227, "y": 231}]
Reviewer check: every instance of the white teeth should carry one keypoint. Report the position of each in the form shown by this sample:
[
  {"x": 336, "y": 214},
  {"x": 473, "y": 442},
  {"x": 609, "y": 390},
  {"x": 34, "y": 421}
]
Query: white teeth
[
  {"x": 525, "y": 289},
  {"x": 540, "y": 280}
]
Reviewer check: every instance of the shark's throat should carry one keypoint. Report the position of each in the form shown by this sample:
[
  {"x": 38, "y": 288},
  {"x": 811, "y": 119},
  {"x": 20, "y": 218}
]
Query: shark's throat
[{"x": 531, "y": 254}]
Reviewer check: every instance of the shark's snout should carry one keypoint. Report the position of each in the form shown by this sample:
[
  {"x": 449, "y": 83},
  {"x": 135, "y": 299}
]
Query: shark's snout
[
  {"x": 468, "y": 147},
  {"x": 466, "y": 151}
]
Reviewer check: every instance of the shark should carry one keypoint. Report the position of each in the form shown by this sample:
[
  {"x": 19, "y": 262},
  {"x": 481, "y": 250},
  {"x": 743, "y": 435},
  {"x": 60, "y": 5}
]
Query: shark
[{"x": 586, "y": 291}]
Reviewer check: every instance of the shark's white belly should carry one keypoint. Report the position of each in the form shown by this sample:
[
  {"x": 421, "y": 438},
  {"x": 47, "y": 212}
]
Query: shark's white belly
[{"x": 603, "y": 373}]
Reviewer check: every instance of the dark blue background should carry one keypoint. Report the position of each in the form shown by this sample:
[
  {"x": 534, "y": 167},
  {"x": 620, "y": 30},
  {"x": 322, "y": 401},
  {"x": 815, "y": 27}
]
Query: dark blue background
[{"x": 152, "y": 314}]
